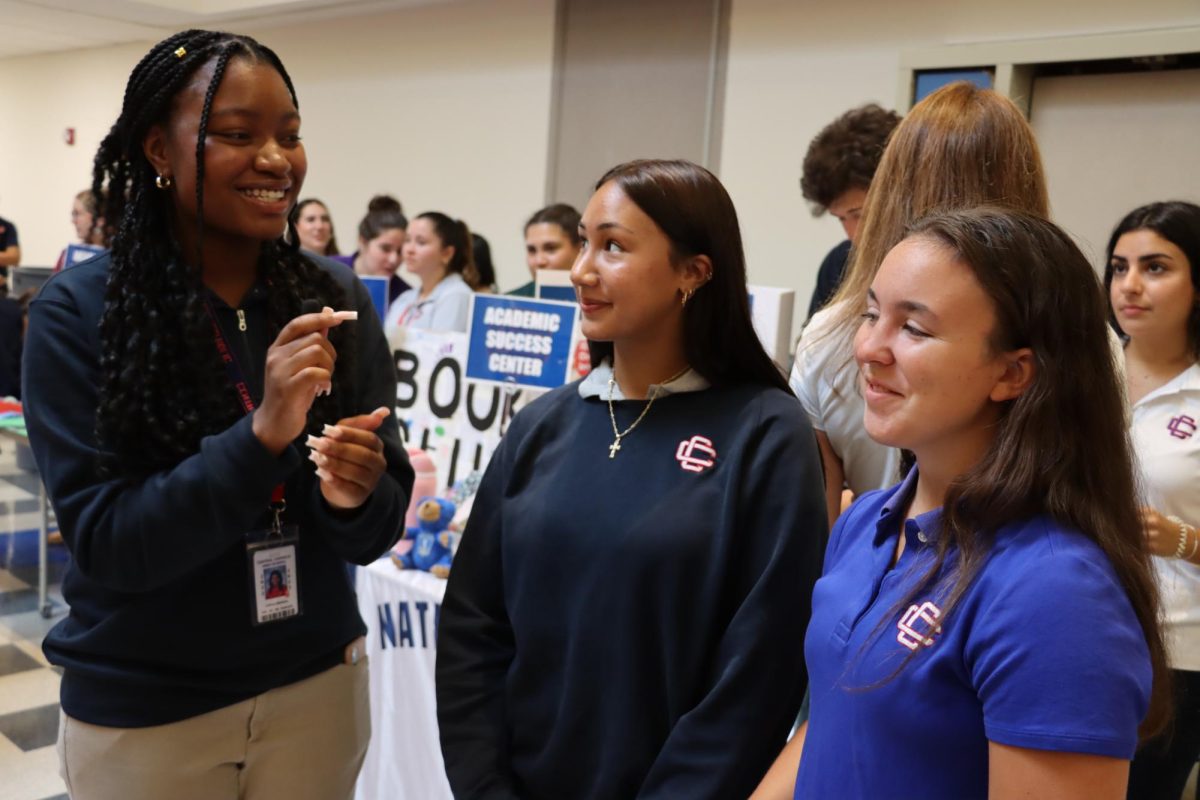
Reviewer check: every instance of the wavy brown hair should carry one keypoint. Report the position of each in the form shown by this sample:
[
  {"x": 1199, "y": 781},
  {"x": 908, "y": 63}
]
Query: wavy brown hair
[
  {"x": 696, "y": 214},
  {"x": 1046, "y": 297}
]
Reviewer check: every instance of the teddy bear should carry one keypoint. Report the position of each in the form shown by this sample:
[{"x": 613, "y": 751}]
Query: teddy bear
[{"x": 432, "y": 548}]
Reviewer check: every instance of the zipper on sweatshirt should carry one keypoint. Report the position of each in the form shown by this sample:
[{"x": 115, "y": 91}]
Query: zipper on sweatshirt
[{"x": 241, "y": 315}]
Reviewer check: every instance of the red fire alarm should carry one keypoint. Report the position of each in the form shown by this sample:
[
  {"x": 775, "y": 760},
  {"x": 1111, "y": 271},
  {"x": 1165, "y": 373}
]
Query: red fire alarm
[{"x": 69, "y": 136}]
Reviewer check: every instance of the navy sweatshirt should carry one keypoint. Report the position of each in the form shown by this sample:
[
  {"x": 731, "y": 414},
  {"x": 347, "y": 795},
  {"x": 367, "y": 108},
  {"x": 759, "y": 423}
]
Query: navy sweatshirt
[
  {"x": 618, "y": 628},
  {"x": 160, "y": 628}
]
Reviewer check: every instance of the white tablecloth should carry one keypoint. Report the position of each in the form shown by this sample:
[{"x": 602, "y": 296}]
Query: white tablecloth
[{"x": 401, "y": 608}]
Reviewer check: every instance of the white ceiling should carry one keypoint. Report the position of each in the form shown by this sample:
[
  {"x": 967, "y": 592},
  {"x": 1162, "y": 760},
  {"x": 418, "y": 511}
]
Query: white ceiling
[{"x": 47, "y": 26}]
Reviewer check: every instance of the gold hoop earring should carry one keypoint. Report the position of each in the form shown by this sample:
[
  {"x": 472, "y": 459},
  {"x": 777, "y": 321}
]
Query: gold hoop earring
[
  {"x": 687, "y": 295},
  {"x": 164, "y": 182}
]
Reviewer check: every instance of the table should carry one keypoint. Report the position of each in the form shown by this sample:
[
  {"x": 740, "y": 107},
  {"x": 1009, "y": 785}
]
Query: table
[
  {"x": 401, "y": 609},
  {"x": 18, "y": 435}
]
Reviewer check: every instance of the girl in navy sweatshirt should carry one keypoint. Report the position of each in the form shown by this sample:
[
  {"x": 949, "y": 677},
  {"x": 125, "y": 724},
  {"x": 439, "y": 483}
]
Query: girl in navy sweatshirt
[
  {"x": 171, "y": 384},
  {"x": 626, "y": 610}
]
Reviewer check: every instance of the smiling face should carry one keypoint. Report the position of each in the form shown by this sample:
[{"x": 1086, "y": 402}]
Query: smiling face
[
  {"x": 254, "y": 162},
  {"x": 547, "y": 246},
  {"x": 382, "y": 255},
  {"x": 314, "y": 227},
  {"x": 1151, "y": 291},
  {"x": 628, "y": 289},
  {"x": 931, "y": 378},
  {"x": 425, "y": 255}
]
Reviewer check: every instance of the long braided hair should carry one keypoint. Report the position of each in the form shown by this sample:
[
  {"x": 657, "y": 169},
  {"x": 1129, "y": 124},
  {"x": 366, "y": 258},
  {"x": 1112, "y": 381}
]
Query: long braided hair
[{"x": 162, "y": 384}]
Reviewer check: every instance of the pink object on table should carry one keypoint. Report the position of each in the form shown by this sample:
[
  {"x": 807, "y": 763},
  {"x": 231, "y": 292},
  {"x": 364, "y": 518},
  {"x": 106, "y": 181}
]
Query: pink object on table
[{"x": 425, "y": 484}]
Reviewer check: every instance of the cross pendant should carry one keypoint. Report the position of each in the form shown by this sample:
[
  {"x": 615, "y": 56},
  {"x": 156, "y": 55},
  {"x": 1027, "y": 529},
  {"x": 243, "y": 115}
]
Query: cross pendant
[{"x": 613, "y": 448}]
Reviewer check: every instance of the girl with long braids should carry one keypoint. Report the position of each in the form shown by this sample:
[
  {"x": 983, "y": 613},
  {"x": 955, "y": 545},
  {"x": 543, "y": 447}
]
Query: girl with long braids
[{"x": 170, "y": 387}]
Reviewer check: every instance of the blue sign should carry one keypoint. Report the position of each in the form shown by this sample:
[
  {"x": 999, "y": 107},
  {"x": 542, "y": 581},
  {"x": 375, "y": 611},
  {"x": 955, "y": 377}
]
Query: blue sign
[
  {"x": 521, "y": 342},
  {"x": 564, "y": 293},
  {"x": 377, "y": 287},
  {"x": 930, "y": 80}
]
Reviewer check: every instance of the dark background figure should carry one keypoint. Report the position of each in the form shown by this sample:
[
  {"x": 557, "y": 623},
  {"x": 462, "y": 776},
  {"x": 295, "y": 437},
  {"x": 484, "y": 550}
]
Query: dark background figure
[
  {"x": 10, "y": 247},
  {"x": 485, "y": 278},
  {"x": 11, "y": 337},
  {"x": 838, "y": 169}
]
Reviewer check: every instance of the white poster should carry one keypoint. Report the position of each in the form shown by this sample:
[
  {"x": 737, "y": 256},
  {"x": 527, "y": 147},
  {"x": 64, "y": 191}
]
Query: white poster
[
  {"x": 457, "y": 422},
  {"x": 404, "y": 759}
]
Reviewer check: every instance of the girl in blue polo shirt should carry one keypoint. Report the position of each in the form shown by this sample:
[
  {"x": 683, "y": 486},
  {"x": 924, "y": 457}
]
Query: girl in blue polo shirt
[{"x": 988, "y": 627}]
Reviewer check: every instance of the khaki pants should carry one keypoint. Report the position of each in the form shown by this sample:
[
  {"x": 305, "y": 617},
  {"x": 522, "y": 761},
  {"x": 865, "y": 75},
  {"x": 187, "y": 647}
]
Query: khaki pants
[{"x": 305, "y": 741}]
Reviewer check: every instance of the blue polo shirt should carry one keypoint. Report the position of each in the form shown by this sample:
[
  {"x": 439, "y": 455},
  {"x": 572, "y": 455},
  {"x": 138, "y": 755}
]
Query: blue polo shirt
[{"x": 1043, "y": 651}]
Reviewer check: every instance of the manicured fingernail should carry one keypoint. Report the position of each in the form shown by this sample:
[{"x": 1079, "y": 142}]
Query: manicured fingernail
[
  {"x": 345, "y": 315},
  {"x": 332, "y": 431},
  {"x": 382, "y": 411},
  {"x": 312, "y": 441},
  {"x": 323, "y": 475}
]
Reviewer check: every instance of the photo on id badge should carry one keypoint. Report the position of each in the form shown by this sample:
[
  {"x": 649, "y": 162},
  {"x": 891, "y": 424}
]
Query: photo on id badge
[{"x": 276, "y": 595}]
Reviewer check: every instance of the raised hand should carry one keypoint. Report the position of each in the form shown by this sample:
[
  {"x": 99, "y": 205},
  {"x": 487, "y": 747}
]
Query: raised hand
[{"x": 299, "y": 364}]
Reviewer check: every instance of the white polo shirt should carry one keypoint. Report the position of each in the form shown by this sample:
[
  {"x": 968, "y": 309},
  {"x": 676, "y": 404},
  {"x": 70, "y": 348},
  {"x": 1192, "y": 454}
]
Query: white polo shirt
[
  {"x": 1166, "y": 442},
  {"x": 825, "y": 378}
]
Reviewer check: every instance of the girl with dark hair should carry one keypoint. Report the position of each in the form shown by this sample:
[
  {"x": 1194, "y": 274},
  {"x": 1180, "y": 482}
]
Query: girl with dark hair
[
  {"x": 485, "y": 271},
  {"x": 1153, "y": 281},
  {"x": 438, "y": 251},
  {"x": 381, "y": 236},
  {"x": 170, "y": 384},
  {"x": 626, "y": 610},
  {"x": 988, "y": 627},
  {"x": 314, "y": 227},
  {"x": 551, "y": 242}
]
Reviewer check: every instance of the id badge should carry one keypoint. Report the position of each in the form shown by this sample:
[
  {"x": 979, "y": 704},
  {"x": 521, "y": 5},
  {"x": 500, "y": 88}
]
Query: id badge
[{"x": 274, "y": 574}]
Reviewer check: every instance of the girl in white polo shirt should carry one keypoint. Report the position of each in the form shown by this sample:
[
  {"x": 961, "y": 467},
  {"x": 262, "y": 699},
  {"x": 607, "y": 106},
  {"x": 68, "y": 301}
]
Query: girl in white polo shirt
[{"x": 1153, "y": 281}]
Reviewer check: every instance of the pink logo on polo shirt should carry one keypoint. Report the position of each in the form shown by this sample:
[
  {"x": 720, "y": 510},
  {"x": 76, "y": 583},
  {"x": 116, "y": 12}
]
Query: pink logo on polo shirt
[
  {"x": 919, "y": 625},
  {"x": 1182, "y": 427}
]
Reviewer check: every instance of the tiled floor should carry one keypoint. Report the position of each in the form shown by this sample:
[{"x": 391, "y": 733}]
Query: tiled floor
[{"x": 28, "y": 685}]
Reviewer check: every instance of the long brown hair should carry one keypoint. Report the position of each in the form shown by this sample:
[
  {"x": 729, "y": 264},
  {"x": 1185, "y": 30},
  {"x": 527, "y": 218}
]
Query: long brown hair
[
  {"x": 960, "y": 147},
  {"x": 1177, "y": 221},
  {"x": 1047, "y": 297},
  {"x": 696, "y": 214}
]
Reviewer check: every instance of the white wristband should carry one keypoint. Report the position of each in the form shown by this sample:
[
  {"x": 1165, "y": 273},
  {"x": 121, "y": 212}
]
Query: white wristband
[{"x": 1183, "y": 536}]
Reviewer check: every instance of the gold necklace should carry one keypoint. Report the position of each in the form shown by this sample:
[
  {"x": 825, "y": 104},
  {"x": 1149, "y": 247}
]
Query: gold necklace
[{"x": 615, "y": 447}]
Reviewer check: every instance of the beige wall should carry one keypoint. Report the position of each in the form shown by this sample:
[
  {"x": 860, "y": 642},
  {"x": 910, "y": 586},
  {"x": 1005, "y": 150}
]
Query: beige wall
[
  {"x": 447, "y": 107},
  {"x": 39, "y": 172},
  {"x": 794, "y": 66}
]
